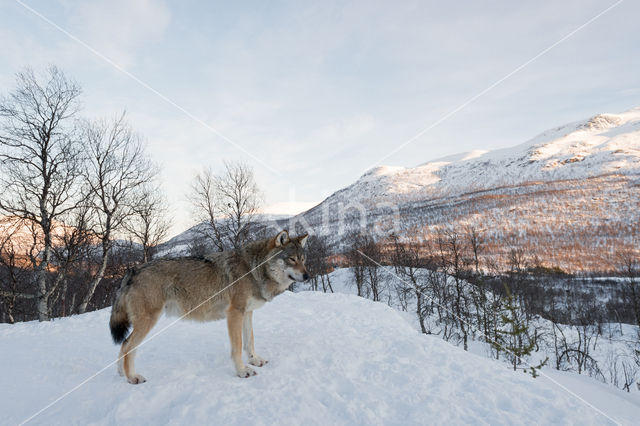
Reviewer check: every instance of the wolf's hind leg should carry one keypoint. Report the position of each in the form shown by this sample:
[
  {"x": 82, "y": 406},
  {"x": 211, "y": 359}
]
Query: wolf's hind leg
[
  {"x": 141, "y": 327},
  {"x": 120, "y": 363},
  {"x": 235, "y": 319},
  {"x": 247, "y": 340}
]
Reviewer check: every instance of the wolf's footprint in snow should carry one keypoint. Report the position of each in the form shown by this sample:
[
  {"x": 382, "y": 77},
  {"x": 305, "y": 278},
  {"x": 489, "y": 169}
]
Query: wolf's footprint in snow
[
  {"x": 257, "y": 361},
  {"x": 136, "y": 379},
  {"x": 246, "y": 372}
]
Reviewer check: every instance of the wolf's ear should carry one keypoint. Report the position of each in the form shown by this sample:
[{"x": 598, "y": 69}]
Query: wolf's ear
[
  {"x": 282, "y": 238},
  {"x": 303, "y": 240}
]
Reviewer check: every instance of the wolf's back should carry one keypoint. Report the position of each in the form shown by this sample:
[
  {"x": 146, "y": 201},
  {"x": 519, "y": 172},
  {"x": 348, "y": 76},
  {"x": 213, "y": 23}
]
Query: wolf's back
[{"x": 119, "y": 322}]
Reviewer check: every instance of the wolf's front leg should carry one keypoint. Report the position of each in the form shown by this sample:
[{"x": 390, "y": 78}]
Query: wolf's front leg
[
  {"x": 235, "y": 320},
  {"x": 247, "y": 334}
]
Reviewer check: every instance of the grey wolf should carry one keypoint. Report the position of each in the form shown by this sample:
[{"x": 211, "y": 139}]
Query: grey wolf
[{"x": 239, "y": 280}]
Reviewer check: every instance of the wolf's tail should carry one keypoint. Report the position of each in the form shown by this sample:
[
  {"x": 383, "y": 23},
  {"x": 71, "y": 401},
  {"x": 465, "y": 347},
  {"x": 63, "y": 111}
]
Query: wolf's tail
[{"x": 119, "y": 322}]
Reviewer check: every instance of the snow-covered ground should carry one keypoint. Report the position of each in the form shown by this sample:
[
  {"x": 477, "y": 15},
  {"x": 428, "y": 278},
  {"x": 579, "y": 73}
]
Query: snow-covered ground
[
  {"x": 612, "y": 348},
  {"x": 334, "y": 359}
]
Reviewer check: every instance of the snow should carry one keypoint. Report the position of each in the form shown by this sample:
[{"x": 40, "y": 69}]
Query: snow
[
  {"x": 288, "y": 208},
  {"x": 615, "y": 342},
  {"x": 598, "y": 394},
  {"x": 334, "y": 359},
  {"x": 544, "y": 192},
  {"x": 571, "y": 180},
  {"x": 463, "y": 156},
  {"x": 605, "y": 143}
]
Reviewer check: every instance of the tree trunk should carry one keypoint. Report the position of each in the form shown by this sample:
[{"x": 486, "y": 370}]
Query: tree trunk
[
  {"x": 43, "y": 294},
  {"x": 94, "y": 283},
  {"x": 10, "y": 305}
]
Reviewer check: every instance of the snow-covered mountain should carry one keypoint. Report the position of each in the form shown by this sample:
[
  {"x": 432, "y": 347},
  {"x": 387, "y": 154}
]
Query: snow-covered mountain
[
  {"x": 287, "y": 208},
  {"x": 602, "y": 145},
  {"x": 572, "y": 192},
  {"x": 333, "y": 359},
  {"x": 181, "y": 243},
  {"x": 577, "y": 183}
]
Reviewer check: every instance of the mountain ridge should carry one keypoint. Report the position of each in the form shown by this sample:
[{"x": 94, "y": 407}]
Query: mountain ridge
[
  {"x": 530, "y": 193},
  {"x": 563, "y": 145}
]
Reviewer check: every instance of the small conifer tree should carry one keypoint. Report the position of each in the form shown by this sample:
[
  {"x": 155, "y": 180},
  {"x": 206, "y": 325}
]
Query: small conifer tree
[{"x": 513, "y": 336}]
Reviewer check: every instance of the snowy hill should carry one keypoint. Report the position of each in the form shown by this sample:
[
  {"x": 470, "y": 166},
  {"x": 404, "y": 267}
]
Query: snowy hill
[
  {"x": 334, "y": 359},
  {"x": 571, "y": 194},
  {"x": 601, "y": 145},
  {"x": 180, "y": 244}
]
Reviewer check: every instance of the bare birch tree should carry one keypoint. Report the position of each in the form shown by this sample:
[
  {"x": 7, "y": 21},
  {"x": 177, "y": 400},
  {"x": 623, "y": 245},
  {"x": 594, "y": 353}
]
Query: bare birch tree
[
  {"x": 318, "y": 263},
  {"x": 455, "y": 263},
  {"x": 355, "y": 241},
  {"x": 629, "y": 267},
  {"x": 117, "y": 167},
  {"x": 148, "y": 224},
  {"x": 40, "y": 158},
  {"x": 13, "y": 274},
  {"x": 226, "y": 204}
]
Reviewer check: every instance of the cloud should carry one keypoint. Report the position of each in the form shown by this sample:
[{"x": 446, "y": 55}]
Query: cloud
[{"x": 119, "y": 29}]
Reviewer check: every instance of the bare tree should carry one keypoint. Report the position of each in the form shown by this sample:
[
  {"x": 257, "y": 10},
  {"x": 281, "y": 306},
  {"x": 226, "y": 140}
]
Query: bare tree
[
  {"x": 629, "y": 267},
  {"x": 372, "y": 258},
  {"x": 13, "y": 274},
  {"x": 226, "y": 204},
  {"x": 455, "y": 263},
  {"x": 476, "y": 243},
  {"x": 148, "y": 223},
  {"x": 315, "y": 262},
  {"x": 117, "y": 167},
  {"x": 407, "y": 263},
  {"x": 205, "y": 201},
  {"x": 629, "y": 374},
  {"x": 40, "y": 158},
  {"x": 318, "y": 263},
  {"x": 357, "y": 262},
  {"x": 482, "y": 305},
  {"x": 74, "y": 242}
]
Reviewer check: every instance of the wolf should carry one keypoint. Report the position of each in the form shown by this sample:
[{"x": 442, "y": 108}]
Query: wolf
[{"x": 229, "y": 284}]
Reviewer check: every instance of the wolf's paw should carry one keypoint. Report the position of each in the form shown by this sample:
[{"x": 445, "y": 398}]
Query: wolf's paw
[
  {"x": 245, "y": 372},
  {"x": 136, "y": 379},
  {"x": 257, "y": 361}
]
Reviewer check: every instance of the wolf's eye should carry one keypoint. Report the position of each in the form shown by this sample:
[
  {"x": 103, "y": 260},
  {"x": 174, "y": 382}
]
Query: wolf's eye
[{"x": 292, "y": 260}]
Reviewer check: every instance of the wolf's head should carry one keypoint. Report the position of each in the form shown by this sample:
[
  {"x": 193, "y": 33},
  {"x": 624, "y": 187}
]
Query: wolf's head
[{"x": 289, "y": 262}]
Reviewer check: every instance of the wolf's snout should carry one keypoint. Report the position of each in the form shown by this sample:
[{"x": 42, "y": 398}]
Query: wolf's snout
[{"x": 305, "y": 276}]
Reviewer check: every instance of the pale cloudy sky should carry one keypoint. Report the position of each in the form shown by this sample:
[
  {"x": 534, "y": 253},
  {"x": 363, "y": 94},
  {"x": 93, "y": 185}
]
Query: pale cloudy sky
[{"x": 315, "y": 93}]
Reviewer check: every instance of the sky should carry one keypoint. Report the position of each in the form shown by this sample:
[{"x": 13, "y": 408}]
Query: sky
[{"x": 313, "y": 94}]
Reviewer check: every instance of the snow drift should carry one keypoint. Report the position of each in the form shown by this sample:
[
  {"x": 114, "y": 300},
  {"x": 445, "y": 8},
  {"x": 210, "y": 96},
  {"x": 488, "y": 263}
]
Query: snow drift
[{"x": 334, "y": 359}]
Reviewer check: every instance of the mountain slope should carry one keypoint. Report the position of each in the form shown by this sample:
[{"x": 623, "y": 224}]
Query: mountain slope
[
  {"x": 334, "y": 359},
  {"x": 181, "y": 243},
  {"x": 602, "y": 145},
  {"x": 570, "y": 195}
]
